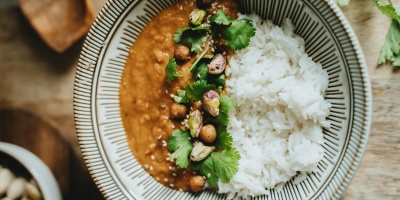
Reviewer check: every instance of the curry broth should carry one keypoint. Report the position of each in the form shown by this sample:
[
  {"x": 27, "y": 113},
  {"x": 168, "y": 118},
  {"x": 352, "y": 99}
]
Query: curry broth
[{"x": 145, "y": 95}]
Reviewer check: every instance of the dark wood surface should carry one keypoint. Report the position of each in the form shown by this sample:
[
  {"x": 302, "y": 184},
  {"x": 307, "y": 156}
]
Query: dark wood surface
[{"x": 30, "y": 131}]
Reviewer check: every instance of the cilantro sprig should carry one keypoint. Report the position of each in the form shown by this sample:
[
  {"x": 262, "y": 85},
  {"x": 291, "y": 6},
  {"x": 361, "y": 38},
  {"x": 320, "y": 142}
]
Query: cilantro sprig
[
  {"x": 193, "y": 37},
  {"x": 390, "y": 51},
  {"x": 219, "y": 165},
  {"x": 170, "y": 70},
  {"x": 238, "y": 33},
  {"x": 179, "y": 142}
]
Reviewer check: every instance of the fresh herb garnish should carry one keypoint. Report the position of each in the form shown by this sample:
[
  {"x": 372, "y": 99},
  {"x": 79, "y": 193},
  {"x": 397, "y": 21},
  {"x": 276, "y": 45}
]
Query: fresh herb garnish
[
  {"x": 390, "y": 51},
  {"x": 220, "y": 18},
  {"x": 193, "y": 37},
  {"x": 226, "y": 104},
  {"x": 181, "y": 97},
  {"x": 224, "y": 139},
  {"x": 391, "y": 48},
  {"x": 219, "y": 165},
  {"x": 196, "y": 90},
  {"x": 170, "y": 70},
  {"x": 238, "y": 35},
  {"x": 200, "y": 71},
  {"x": 179, "y": 142}
]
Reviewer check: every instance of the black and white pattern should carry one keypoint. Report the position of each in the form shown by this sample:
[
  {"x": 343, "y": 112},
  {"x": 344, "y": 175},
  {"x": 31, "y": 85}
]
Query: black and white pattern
[{"x": 329, "y": 40}]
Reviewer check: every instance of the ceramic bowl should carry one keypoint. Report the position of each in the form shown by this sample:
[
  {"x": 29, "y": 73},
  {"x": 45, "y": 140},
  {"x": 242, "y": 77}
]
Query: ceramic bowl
[
  {"x": 328, "y": 39},
  {"x": 36, "y": 167}
]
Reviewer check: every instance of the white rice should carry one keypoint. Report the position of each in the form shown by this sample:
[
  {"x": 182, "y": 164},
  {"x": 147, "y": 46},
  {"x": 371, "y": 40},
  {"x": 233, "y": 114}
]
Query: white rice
[{"x": 277, "y": 126}]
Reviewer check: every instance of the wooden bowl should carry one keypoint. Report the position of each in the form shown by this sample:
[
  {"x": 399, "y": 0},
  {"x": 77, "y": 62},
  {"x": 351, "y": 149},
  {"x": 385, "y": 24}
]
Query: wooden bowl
[{"x": 59, "y": 22}]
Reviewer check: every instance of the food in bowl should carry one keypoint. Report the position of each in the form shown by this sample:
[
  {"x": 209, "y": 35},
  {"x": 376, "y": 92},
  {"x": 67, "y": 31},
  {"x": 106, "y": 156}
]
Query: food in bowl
[
  {"x": 16, "y": 182},
  {"x": 211, "y": 96}
]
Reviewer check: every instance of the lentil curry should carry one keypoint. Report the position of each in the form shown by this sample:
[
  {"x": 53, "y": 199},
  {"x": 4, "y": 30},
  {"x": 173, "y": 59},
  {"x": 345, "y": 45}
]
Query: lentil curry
[{"x": 145, "y": 95}]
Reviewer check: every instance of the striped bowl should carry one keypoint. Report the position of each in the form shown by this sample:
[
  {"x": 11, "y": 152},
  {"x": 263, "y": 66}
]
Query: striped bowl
[{"x": 329, "y": 40}]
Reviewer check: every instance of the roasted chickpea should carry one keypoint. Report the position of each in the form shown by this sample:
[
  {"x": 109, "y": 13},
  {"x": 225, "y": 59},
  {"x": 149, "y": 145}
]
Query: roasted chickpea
[
  {"x": 182, "y": 53},
  {"x": 196, "y": 183},
  {"x": 178, "y": 111},
  {"x": 208, "y": 133},
  {"x": 197, "y": 105}
]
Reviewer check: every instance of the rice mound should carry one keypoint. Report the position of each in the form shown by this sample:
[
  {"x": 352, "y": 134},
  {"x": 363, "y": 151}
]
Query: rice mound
[{"x": 277, "y": 126}]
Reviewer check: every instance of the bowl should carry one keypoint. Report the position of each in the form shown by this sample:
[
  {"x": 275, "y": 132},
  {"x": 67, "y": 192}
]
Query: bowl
[
  {"x": 36, "y": 168},
  {"x": 329, "y": 40}
]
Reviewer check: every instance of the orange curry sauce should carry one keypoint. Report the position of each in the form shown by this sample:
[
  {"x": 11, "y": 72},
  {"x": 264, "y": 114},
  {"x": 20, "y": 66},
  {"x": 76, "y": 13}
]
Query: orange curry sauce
[{"x": 145, "y": 95}]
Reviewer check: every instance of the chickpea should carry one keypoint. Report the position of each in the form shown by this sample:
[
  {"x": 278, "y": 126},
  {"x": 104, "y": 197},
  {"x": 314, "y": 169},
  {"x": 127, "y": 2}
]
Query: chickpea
[
  {"x": 196, "y": 183},
  {"x": 178, "y": 111},
  {"x": 182, "y": 53},
  {"x": 208, "y": 133},
  {"x": 197, "y": 105}
]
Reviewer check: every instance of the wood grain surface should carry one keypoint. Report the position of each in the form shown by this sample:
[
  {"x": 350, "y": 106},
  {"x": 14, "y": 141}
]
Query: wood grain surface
[
  {"x": 31, "y": 132},
  {"x": 33, "y": 77}
]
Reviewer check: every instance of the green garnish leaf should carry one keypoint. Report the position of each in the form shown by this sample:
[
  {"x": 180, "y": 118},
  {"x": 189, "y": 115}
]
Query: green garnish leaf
[
  {"x": 200, "y": 71},
  {"x": 180, "y": 144},
  {"x": 226, "y": 164},
  {"x": 219, "y": 89},
  {"x": 221, "y": 119},
  {"x": 388, "y": 9},
  {"x": 170, "y": 70},
  {"x": 237, "y": 36},
  {"x": 181, "y": 97},
  {"x": 224, "y": 139},
  {"x": 194, "y": 37},
  {"x": 391, "y": 48},
  {"x": 226, "y": 104},
  {"x": 207, "y": 169},
  {"x": 196, "y": 90},
  {"x": 221, "y": 18},
  {"x": 220, "y": 165},
  {"x": 218, "y": 80}
]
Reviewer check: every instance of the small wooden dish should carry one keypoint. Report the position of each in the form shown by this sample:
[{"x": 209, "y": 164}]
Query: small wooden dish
[{"x": 59, "y": 22}]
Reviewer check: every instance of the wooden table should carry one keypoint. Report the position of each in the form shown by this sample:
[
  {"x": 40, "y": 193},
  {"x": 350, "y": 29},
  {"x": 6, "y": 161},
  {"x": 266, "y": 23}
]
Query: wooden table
[{"x": 34, "y": 78}]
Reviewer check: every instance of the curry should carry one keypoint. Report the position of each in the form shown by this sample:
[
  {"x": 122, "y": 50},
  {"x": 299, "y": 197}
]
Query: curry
[{"x": 147, "y": 107}]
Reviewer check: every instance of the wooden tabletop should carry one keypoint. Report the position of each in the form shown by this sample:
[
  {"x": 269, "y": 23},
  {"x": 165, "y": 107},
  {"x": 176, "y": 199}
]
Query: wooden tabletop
[{"x": 35, "y": 78}]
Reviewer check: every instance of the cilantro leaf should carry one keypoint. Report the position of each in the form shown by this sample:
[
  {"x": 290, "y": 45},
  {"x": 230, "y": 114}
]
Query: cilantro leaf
[
  {"x": 170, "y": 70},
  {"x": 238, "y": 35},
  {"x": 181, "y": 146},
  {"x": 221, "y": 119},
  {"x": 200, "y": 71},
  {"x": 219, "y": 90},
  {"x": 207, "y": 169},
  {"x": 388, "y": 9},
  {"x": 194, "y": 37},
  {"x": 391, "y": 48},
  {"x": 218, "y": 80},
  {"x": 226, "y": 164},
  {"x": 221, "y": 18},
  {"x": 224, "y": 139},
  {"x": 219, "y": 165},
  {"x": 196, "y": 90},
  {"x": 226, "y": 104},
  {"x": 181, "y": 98}
]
